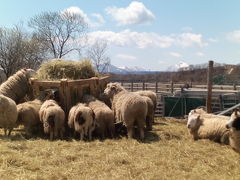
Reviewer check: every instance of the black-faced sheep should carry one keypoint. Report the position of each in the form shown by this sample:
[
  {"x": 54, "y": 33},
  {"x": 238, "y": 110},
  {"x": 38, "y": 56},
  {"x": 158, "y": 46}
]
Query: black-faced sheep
[
  {"x": 28, "y": 115},
  {"x": 8, "y": 114},
  {"x": 103, "y": 115},
  {"x": 208, "y": 126},
  {"x": 82, "y": 119},
  {"x": 52, "y": 116},
  {"x": 17, "y": 85},
  {"x": 128, "y": 107},
  {"x": 234, "y": 125}
]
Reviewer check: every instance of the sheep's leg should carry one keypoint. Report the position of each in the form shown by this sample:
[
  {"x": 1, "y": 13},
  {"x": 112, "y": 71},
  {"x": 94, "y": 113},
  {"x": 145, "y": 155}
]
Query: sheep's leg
[
  {"x": 141, "y": 129},
  {"x": 5, "y": 131},
  {"x": 90, "y": 134},
  {"x": 51, "y": 135},
  {"x": 61, "y": 134},
  {"x": 9, "y": 131},
  {"x": 130, "y": 132},
  {"x": 81, "y": 135}
]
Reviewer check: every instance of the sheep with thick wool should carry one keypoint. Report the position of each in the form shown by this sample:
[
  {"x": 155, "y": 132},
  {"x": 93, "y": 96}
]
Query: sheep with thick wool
[
  {"x": 234, "y": 125},
  {"x": 82, "y": 119},
  {"x": 103, "y": 115},
  {"x": 151, "y": 95},
  {"x": 17, "y": 86},
  {"x": 28, "y": 115},
  {"x": 203, "y": 125},
  {"x": 52, "y": 116},
  {"x": 128, "y": 107},
  {"x": 8, "y": 114}
]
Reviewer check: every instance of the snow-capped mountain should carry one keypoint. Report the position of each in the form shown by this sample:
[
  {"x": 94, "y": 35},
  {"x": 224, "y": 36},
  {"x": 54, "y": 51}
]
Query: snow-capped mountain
[
  {"x": 123, "y": 70},
  {"x": 181, "y": 66}
]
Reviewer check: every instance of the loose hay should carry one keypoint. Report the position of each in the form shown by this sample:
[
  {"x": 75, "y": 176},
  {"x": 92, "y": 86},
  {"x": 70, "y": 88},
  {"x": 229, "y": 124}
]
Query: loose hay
[
  {"x": 61, "y": 69},
  {"x": 168, "y": 153}
]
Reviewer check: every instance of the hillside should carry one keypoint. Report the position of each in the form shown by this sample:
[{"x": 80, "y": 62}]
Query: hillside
[{"x": 226, "y": 74}]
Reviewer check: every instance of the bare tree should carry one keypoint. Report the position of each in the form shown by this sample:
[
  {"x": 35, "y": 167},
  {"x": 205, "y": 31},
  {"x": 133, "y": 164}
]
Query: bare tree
[
  {"x": 98, "y": 55},
  {"x": 18, "y": 50},
  {"x": 59, "y": 30}
]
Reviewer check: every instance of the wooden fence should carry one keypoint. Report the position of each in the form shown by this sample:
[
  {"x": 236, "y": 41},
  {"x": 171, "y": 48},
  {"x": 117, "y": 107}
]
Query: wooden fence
[{"x": 71, "y": 91}]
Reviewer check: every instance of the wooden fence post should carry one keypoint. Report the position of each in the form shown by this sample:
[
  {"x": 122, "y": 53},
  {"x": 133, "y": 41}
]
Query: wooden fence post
[
  {"x": 35, "y": 88},
  {"x": 209, "y": 84},
  {"x": 143, "y": 86},
  {"x": 156, "y": 90},
  {"x": 131, "y": 86},
  {"x": 234, "y": 86},
  {"x": 172, "y": 87}
]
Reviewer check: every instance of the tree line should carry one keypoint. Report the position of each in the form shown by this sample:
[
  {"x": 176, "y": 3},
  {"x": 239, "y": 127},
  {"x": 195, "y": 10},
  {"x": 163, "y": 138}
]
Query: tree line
[{"x": 49, "y": 35}]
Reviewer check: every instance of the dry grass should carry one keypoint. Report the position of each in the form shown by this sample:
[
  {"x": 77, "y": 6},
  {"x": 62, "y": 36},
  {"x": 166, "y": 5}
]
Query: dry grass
[
  {"x": 61, "y": 69},
  {"x": 168, "y": 153}
]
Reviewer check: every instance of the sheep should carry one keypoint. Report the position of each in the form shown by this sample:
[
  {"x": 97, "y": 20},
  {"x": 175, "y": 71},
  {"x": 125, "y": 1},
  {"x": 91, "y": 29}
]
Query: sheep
[
  {"x": 128, "y": 107},
  {"x": 17, "y": 85},
  {"x": 28, "y": 114},
  {"x": 103, "y": 115},
  {"x": 208, "y": 126},
  {"x": 234, "y": 126},
  {"x": 82, "y": 119},
  {"x": 8, "y": 114},
  {"x": 151, "y": 95},
  {"x": 52, "y": 116}
]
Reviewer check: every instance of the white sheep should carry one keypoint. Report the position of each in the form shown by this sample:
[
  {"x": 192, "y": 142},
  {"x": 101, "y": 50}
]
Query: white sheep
[
  {"x": 8, "y": 114},
  {"x": 152, "y": 95},
  {"x": 103, "y": 115},
  {"x": 234, "y": 125},
  {"x": 150, "y": 113},
  {"x": 208, "y": 126},
  {"x": 17, "y": 85},
  {"x": 128, "y": 107},
  {"x": 52, "y": 116},
  {"x": 28, "y": 115},
  {"x": 82, "y": 119}
]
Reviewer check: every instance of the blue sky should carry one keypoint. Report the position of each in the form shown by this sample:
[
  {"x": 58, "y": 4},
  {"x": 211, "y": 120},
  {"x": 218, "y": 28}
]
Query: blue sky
[{"x": 152, "y": 34}]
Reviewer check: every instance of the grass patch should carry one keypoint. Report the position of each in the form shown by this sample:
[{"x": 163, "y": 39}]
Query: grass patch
[{"x": 167, "y": 153}]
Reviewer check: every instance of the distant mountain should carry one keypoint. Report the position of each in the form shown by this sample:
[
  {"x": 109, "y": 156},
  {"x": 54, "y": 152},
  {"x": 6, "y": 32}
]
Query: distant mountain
[
  {"x": 125, "y": 70},
  {"x": 181, "y": 66}
]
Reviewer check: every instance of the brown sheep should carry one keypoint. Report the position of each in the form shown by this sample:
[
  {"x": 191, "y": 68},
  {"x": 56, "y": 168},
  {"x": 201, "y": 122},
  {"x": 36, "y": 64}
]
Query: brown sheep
[
  {"x": 104, "y": 116},
  {"x": 128, "y": 107},
  {"x": 82, "y": 119},
  {"x": 52, "y": 116}
]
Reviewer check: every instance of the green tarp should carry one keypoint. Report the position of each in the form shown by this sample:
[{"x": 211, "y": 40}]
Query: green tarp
[{"x": 180, "y": 106}]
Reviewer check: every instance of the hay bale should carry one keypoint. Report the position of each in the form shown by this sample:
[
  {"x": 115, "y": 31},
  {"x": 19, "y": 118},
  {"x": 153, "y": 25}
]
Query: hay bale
[{"x": 61, "y": 69}]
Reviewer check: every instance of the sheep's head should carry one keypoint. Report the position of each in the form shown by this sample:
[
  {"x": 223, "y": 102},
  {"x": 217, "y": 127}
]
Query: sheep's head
[
  {"x": 112, "y": 89},
  {"x": 193, "y": 120},
  {"x": 234, "y": 122}
]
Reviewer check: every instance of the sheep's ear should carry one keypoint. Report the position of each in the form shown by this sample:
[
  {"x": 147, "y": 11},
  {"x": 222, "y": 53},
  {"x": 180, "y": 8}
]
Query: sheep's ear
[{"x": 198, "y": 117}]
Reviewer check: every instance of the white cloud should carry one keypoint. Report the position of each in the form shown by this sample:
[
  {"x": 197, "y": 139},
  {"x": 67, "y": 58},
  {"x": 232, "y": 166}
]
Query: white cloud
[
  {"x": 147, "y": 39},
  {"x": 199, "y": 54},
  {"x": 130, "y": 38},
  {"x": 126, "y": 56},
  {"x": 234, "y": 36},
  {"x": 76, "y": 10},
  {"x": 190, "y": 39},
  {"x": 174, "y": 54},
  {"x": 212, "y": 40},
  {"x": 135, "y": 13}
]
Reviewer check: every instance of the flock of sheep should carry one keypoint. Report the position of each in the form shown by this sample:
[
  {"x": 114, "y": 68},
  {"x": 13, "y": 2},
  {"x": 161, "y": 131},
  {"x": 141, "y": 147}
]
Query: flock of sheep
[{"x": 134, "y": 110}]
